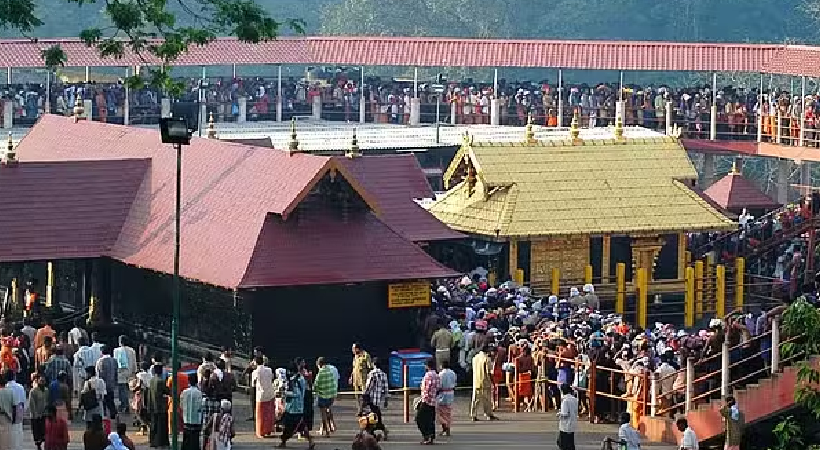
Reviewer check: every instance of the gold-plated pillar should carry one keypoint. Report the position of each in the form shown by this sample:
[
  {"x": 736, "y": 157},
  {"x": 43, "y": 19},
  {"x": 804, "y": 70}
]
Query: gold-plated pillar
[
  {"x": 513, "y": 259},
  {"x": 607, "y": 251},
  {"x": 682, "y": 256}
]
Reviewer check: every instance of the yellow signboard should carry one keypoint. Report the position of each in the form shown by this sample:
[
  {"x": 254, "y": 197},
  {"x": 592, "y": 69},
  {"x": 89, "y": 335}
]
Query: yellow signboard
[{"x": 408, "y": 295}]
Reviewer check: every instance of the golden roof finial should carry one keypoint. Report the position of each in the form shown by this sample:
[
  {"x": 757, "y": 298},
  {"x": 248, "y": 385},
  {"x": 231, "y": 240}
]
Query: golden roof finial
[
  {"x": 211, "y": 127},
  {"x": 619, "y": 127},
  {"x": 79, "y": 109},
  {"x": 354, "y": 151},
  {"x": 11, "y": 155},
  {"x": 574, "y": 132},
  {"x": 293, "y": 147},
  {"x": 530, "y": 133}
]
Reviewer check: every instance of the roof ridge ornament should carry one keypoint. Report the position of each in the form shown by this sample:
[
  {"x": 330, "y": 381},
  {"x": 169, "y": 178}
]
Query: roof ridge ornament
[
  {"x": 354, "y": 151},
  {"x": 530, "y": 135},
  {"x": 619, "y": 127},
  {"x": 293, "y": 146},
  {"x": 79, "y": 109},
  {"x": 574, "y": 131},
  {"x": 11, "y": 155},
  {"x": 211, "y": 127}
]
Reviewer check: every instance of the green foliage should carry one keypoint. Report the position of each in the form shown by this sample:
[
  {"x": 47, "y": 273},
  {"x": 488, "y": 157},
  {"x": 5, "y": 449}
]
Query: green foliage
[
  {"x": 151, "y": 29},
  {"x": 800, "y": 319}
]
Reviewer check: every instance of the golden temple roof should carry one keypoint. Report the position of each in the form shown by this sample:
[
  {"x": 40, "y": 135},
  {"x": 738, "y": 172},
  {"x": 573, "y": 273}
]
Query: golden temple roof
[{"x": 564, "y": 187}]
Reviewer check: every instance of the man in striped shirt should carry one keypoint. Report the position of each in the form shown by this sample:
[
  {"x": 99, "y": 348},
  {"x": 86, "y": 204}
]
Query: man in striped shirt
[
  {"x": 375, "y": 394},
  {"x": 191, "y": 402}
]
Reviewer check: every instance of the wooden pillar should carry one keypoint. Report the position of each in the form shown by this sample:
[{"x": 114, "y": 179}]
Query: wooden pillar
[
  {"x": 49, "y": 284},
  {"x": 513, "y": 258},
  {"x": 607, "y": 251},
  {"x": 682, "y": 256},
  {"x": 99, "y": 310}
]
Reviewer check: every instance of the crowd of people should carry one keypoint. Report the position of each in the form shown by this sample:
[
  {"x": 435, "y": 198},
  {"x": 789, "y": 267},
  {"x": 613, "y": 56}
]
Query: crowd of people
[
  {"x": 508, "y": 346},
  {"x": 538, "y": 352},
  {"x": 781, "y": 251},
  {"x": 388, "y": 101}
]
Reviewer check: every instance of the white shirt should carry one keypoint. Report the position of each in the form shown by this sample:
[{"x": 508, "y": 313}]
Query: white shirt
[
  {"x": 689, "y": 441},
  {"x": 631, "y": 436},
  {"x": 568, "y": 417},
  {"x": 96, "y": 353},
  {"x": 19, "y": 393},
  {"x": 74, "y": 336},
  {"x": 262, "y": 378}
]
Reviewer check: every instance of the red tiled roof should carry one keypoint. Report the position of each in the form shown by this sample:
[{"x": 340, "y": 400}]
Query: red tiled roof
[
  {"x": 227, "y": 191},
  {"x": 437, "y": 51},
  {"x": 68, "y": 209},
  {"x": 318, "y": 248},
  {"x": 394, "y": 181},
  {"x": 736, "y": 192}
]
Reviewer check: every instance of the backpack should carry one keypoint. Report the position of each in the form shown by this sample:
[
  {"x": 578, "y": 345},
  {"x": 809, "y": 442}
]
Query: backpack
[{"x": 88, "y": 399}]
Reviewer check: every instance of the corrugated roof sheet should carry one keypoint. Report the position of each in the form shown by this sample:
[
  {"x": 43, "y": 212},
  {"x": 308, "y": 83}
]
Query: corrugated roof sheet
[
  {"x": 557, "y": 188},
  {"x": 394, "y": 181},
  {"x": 67, "y": 209},
  {"x": 227, "y": 191},
  {"x": 320, "y": 248},
  {"x": 432, "y": 51},
  {"x": 734, "y": 191}
]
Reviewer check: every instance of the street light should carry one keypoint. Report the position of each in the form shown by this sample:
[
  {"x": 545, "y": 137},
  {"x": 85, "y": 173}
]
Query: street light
[{"x": 175, "y": 131}]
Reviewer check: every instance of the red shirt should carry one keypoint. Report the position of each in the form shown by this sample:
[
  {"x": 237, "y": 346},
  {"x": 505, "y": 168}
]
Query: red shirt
[{"x": 56, "y": 434}]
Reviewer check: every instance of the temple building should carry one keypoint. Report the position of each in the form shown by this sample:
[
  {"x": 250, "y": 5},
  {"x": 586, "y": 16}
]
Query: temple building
[
  {"x": 736, "y": 193},
  {"x": 583, "y": 200}
]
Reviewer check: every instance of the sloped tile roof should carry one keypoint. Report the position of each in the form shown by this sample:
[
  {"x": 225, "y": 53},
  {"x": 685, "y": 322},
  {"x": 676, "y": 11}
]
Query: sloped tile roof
[
  {"x": 394, "y": 181},
  {"x": 557, "y": 188},
  {"x": 318, "y": 247},
  {"x": 67, "y": 209},
  {"x": 227, "y": 191},
  {"x": 735, "y": 192}
]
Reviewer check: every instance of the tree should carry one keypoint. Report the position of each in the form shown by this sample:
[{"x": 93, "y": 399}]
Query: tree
[
  {"x": 801, "y": 319},
  {"x": 155, "y": 29}
]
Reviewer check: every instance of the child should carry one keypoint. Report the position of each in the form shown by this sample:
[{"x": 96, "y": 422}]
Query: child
[{"x": 56, "y": 430}]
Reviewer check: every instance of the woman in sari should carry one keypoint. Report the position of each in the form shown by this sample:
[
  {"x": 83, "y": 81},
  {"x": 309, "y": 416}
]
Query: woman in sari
[
  {"x": 219, "y": 428},
  {"x": 156, "y": 403},
  {"x": 446, "y": 397}
]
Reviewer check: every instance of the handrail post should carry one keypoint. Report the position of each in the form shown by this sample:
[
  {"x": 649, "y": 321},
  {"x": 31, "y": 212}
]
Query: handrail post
[
  {"x": 689, "y": 298},
  {"x": 740, "y": 272},
  {"x": 690, "y": 383},
  {"x": 555, "y": 281},
  {"x": 724, "y": 369},
  {"x": 655, "y": 386},
  {"x": 406, "y": 393},
  {"x": 779, "y": 132},
  {"x": 713, "y": 121},
  {"x": 775, "y": 345},
  {"x": 515, "y": 386},
  {"x": 591, "y": 391},
  {"x": 760, "y": 123},
  {"x": 587, "y": 274},
  {"x": 720, "y": 290}
]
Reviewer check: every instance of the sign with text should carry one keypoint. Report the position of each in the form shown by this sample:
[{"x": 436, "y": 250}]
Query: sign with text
[{"x": 408, "y": 295}]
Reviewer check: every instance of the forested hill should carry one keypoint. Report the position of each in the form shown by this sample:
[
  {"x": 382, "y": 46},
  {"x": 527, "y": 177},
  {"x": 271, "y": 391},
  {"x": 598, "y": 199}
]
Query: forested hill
[{"x": 679, "y": 20}]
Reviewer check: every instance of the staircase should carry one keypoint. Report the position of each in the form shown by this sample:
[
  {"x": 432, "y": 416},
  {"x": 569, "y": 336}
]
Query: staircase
[{"x": 759, "y": 401}]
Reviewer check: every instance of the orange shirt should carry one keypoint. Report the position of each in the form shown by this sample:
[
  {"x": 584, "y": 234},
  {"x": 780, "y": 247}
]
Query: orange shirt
[{"x": 41, "y": 334}]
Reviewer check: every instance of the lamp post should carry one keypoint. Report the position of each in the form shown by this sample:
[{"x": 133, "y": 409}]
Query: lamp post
[{"x": 175, "y": 131}]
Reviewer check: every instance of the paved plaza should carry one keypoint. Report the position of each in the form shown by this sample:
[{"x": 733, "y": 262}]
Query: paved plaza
[{"x": 522, "y": 431}]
